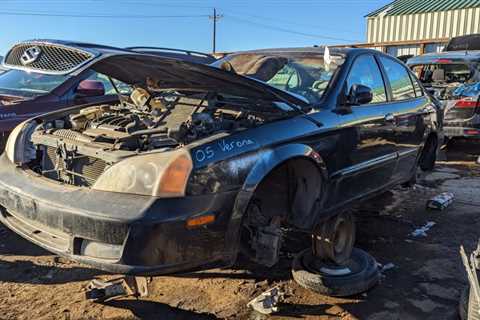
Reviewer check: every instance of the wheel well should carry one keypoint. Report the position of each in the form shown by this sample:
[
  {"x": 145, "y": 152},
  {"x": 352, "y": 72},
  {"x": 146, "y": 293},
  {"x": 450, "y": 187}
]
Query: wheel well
[{"x": 291, "y": 191}]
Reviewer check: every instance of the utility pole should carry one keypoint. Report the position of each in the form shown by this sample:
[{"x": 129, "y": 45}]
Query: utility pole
[{"x": 215, "y": 18}]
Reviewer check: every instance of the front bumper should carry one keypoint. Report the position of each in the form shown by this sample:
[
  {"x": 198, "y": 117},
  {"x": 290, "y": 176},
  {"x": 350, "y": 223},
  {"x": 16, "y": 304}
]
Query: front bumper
[{"x": 149, "y": 234}]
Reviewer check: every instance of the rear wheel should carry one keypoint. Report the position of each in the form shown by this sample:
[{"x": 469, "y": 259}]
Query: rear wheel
[{"x": 429, "y": 155}]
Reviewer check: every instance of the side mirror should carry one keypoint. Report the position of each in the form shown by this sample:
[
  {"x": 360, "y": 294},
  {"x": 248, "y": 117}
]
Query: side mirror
[
  {"x": 90, "y": 88},
  {"x": 359, "y": 94}
]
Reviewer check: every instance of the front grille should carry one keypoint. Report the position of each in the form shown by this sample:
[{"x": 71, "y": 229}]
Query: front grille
[
  {"x": 80, "y": 171},
  {"x": 51, "y": 57}
]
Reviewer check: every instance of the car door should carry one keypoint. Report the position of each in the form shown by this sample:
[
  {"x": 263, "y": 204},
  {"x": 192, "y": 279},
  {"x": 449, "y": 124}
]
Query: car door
[
  {"x": 410, "y": 107},
  {"x": 374, "y": 158}
]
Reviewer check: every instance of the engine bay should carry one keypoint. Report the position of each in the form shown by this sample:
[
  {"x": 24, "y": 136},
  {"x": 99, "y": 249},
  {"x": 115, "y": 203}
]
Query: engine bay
[
  {"x": 77, "y": 146},
  {"x": 148, "y": 123}
]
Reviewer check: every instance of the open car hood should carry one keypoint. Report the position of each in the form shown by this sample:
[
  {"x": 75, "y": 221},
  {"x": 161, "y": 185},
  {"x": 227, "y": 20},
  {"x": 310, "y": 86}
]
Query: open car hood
[{"x": 168, "y": 73}]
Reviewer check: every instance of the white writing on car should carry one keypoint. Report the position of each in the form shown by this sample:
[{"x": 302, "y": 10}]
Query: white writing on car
[
  {"x": 235, "y": 144},
  {"x": 208, "y": 153},
  {"x": 7, "y": 115}
]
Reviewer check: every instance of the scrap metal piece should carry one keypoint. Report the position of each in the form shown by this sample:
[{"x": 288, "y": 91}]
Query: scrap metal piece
[
  {"x": 98, "y": 290},
  {"x": 267, "y": 302},
  {"x": 441, "y": 201},
  {"x": 471, "y": 272}
]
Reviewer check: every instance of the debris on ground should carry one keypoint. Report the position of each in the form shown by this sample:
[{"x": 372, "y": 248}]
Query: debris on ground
[
  {"x": 441, "y": 201},
  {"x": 98, "y": 290},
  {"x": 422, "y": 232},
  {"x": 267, "y": 302},
  {"x": 385, "y": 267}
]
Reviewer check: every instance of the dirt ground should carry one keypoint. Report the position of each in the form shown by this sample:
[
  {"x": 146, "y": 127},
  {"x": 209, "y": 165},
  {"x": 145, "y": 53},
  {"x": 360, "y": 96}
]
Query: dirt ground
[{"x": 425, "y": 282}]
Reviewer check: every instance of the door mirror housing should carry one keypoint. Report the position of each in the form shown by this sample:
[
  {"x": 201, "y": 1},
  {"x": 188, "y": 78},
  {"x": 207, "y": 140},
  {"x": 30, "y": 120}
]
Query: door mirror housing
[
  {"x": 90, "y": 88},
  {"x": 359, "y": 94}
]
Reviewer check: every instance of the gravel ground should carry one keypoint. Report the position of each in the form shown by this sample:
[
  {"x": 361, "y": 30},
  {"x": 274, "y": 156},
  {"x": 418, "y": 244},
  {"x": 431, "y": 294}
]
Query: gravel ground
[{"x": 425, "y": 282}]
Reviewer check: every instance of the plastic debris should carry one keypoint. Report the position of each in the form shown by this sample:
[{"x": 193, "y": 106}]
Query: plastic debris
[
  {"x": 422, "y": 232},
  {"x": 267, "y": 302},
  {"x": 467, "y": 90},
  {"x": 441, "y": 202},
  {"x": 387, "y": 266}
]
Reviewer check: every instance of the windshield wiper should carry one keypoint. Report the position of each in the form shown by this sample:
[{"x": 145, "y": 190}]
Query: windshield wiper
[{"x": 295, "y": 107}]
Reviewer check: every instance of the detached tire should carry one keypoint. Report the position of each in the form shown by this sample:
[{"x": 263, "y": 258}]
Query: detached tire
[{"x": 357, "y": 275}]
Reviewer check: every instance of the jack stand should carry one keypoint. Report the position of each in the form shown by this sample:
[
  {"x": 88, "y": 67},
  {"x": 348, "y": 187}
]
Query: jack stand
[{"x": 98, "y": 290}]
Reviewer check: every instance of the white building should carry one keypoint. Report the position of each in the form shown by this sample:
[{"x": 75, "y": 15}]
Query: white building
[{"x": 414, "y": 27}]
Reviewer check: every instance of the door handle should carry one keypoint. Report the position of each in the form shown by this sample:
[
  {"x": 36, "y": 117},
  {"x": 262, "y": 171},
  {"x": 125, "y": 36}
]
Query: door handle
[{"x": 389, "y": 118}]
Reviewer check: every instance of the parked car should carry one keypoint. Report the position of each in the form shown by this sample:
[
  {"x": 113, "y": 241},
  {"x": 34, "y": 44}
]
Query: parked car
[
  {"x": 453, "y": 77},
  {"x": 216, "y": 158},
  {"x": 27, "y": 90}
]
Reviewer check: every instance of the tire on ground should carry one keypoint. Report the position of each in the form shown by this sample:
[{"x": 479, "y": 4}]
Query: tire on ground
[
  {"x": 362, "y": 279},
  {"x": 429, "y": 155}
]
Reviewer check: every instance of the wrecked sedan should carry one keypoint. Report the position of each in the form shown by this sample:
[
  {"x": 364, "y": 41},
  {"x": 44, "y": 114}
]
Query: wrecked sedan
[
  {"x": 202, "y": 161},
  {"x": 40, "y": 76},
  {"x": 453, "y": 78}
]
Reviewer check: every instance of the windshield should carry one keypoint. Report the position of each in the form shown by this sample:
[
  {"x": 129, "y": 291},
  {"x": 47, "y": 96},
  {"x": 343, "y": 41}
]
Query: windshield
[
  {"x": 28, "y": 84},
  {"x": 302, "y": 74}
]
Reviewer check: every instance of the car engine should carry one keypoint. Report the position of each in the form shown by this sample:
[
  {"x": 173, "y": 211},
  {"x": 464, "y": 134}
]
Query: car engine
[{"x": 79, "y": 146}]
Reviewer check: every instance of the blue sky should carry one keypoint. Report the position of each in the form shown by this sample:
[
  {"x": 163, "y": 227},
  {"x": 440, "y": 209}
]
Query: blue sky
[{"x": 246, "y": 24}]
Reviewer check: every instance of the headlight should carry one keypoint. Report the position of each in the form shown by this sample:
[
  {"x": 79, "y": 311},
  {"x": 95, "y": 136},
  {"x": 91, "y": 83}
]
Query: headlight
[
  {"x": 159, "y": 174},
  {"x": 16, "y": 146}
]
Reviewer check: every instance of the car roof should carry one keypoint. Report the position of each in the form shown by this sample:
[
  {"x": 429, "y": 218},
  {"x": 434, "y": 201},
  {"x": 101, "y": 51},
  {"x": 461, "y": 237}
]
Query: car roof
[
  {"x": 314, "y": 49},
  {"x": 466, "y": 56}
]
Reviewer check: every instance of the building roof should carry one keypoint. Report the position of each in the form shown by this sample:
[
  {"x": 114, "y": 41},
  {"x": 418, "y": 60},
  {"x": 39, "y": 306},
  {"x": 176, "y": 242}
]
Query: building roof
[{"x": 406, "y": 7}]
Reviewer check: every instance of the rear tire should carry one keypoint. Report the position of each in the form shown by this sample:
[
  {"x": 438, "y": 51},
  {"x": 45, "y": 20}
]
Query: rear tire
[
  {"x": 357, "y": 275},
  {"x": 429, "y": 155}
]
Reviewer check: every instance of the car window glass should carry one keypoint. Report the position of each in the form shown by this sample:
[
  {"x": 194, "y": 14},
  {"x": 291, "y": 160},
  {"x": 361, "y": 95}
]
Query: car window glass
[
  {"x": 109, "y": 89},
  {"x": 29, "y": 84},
  {"x": 365, "y": 71},
  {"x": 303, "y": 74},
  {"x": 286, "y": 79},
  {"x": 416, "y": 86},
  {"x": 402, "y": 88}
]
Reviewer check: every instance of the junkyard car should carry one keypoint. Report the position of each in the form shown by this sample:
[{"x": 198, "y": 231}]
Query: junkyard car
[
  {"x": 453, "y": 77},
  {"x": 203, "y": 160},
  {"x": 25, "y": 92}
]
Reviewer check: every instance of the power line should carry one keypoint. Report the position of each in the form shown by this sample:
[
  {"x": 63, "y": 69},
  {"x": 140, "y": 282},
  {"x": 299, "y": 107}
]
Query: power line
[
  {"x": 68, "y": 15},
  {"x": 280, "y": 29}
]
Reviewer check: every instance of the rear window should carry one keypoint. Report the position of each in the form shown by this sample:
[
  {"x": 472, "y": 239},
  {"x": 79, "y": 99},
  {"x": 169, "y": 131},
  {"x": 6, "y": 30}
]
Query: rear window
[{"x": 444, "y": 73}]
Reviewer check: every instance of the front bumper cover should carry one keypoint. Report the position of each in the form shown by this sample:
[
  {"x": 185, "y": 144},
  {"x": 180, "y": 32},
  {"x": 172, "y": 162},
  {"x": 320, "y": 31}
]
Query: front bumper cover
[{"x": 150, "y": 232}]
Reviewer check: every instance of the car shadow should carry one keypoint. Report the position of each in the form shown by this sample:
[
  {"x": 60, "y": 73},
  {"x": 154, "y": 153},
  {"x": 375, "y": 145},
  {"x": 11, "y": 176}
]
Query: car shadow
[
  {"x": 28, "y": 272},
  {"x": 150, "y": 310}
]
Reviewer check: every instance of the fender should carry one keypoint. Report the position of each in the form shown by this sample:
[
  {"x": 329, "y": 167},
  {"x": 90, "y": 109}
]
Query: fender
[{"x": 268, "y": 162}]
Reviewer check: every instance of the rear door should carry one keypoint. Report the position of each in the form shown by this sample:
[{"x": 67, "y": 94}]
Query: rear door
[
  {"x": 373, "y": 156},
  {"x": 410, "y": 107}
]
